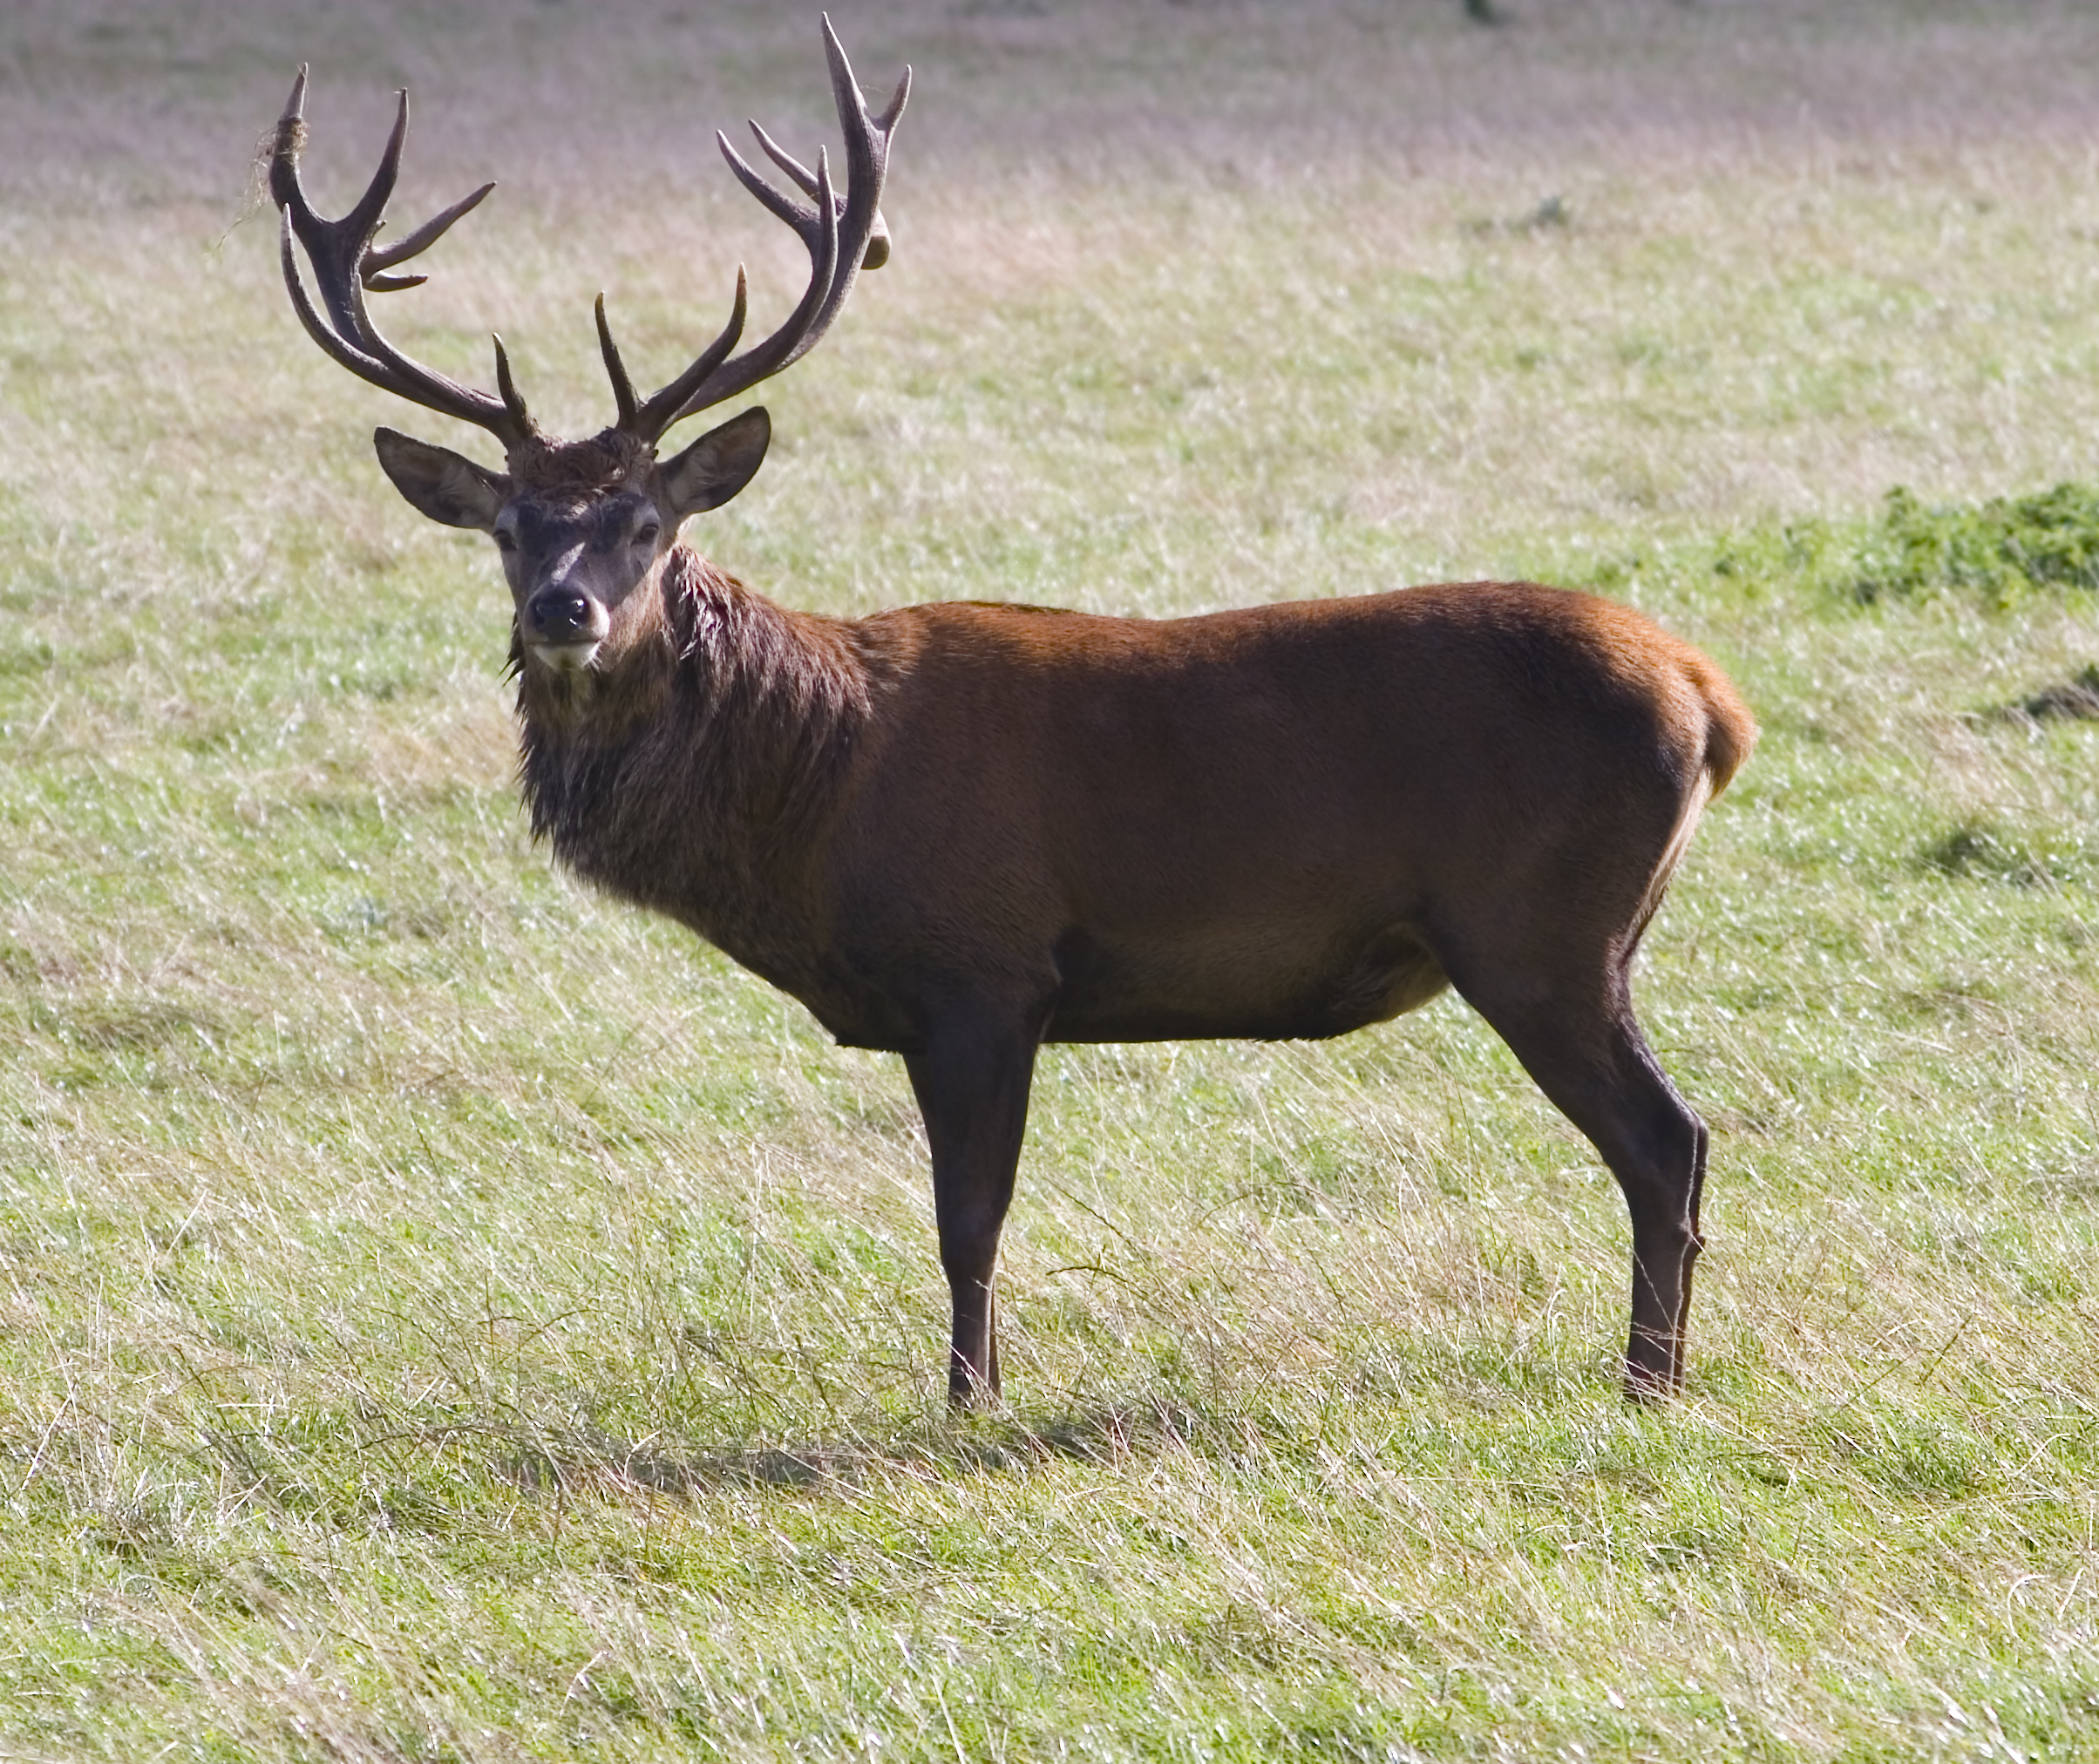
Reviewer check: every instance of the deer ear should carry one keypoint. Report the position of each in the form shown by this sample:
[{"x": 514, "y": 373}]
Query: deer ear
[
  {"x": 445, "y": 485},
  {"x": 718, "y": 464}
]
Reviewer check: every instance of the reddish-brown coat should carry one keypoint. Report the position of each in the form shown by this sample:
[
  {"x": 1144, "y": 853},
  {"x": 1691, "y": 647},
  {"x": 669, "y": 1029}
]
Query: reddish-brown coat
[{"x": 958, "y": 831}]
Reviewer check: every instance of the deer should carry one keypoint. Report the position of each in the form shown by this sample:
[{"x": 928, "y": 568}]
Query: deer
[{"x": 958, "y": 832}]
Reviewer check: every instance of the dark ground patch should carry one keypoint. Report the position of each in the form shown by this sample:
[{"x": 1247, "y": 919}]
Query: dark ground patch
[{"x": 2077, "y": 697}]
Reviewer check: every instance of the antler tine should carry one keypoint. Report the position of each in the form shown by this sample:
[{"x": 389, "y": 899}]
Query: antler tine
[
  {"x": 511, "y": 402},
  {"x": 887, "y": 120},
  {"x": 615, "y": 371},
  {"x": 877, "y": 253},
  {"x": 806, "y": 220},
  {"x": 285, "y": 146},
  {"x": 664, "y": 407},
  {"x": 804, "y": 325},
  {"x": 377, "y": 261},
  {"x": 842, "y": 235},
  {"x": 345, "y": 264}
]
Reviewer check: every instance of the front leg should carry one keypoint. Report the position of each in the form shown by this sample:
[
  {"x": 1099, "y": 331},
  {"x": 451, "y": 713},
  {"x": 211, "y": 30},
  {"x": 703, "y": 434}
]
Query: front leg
[{"x": 971, "y": 1081}]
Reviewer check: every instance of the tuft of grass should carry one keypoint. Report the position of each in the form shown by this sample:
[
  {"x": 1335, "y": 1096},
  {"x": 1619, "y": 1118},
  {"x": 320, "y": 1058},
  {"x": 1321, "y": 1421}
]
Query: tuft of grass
[{"x": 2049, "y": 539}]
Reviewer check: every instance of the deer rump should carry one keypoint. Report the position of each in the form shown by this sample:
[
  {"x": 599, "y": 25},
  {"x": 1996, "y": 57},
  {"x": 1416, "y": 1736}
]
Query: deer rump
[{"x": 1279, "y": 823}]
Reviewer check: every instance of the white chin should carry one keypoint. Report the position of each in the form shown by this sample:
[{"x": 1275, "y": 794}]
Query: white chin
[{"x": 566, "y": 658}]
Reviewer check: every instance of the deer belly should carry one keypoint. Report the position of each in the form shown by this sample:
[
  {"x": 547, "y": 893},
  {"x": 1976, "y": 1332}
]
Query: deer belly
[{"x": 1242, "y": 986}]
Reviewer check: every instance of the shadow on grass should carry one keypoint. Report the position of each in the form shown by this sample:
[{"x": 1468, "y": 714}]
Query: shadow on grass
[
  {"x": 545, "y": 1459},
  {"x": 2076, "y": 699}
]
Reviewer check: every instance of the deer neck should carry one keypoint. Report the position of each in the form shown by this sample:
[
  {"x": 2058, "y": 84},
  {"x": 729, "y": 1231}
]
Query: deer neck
[{"x": 686, "y": 776}]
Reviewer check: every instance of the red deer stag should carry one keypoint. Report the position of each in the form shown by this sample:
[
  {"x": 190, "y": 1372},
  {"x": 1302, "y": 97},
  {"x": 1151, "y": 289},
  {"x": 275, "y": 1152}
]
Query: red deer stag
[{"x": 960, "y": 832}]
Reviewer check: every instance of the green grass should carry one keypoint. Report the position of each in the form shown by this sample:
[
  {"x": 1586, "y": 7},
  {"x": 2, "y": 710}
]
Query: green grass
[{"x": 448, "y": 1317}]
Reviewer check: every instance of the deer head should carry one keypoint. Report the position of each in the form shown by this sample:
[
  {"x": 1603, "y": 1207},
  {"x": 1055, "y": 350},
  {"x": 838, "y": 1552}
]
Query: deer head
[{"x": 582, "y": 525}]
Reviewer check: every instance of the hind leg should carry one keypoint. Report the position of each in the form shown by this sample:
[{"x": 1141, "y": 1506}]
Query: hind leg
[
  {"x": 1684, "y": 1309},
  {"x": 1581, "y": 1041}
]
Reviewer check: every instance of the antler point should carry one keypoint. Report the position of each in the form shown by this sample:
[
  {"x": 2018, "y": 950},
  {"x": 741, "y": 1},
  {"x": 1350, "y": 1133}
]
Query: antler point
[
  {"x": 347, "y": 264},
  {"x": 887, "y": 120}
]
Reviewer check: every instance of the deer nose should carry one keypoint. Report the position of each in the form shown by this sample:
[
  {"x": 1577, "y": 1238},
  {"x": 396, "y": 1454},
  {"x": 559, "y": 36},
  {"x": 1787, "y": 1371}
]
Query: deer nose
[{"x": 558, "y": 614}]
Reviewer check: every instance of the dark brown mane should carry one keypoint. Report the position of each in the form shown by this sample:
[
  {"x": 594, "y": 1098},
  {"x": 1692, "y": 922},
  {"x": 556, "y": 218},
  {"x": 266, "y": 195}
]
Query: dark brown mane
[
  {"x": 777, "y": 694},
  {"x": 755, "y": 709}
]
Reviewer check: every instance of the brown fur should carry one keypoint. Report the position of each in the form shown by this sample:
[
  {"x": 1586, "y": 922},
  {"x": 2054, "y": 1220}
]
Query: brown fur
[
  {"x": 956, "y": 831},
  {"x": 678, "y": 779},
  {"x": 549, "y": 467}
]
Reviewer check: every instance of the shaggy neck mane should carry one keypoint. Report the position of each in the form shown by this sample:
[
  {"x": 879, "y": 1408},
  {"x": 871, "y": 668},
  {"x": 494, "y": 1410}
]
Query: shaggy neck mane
[{"x": 681, "y": 774}]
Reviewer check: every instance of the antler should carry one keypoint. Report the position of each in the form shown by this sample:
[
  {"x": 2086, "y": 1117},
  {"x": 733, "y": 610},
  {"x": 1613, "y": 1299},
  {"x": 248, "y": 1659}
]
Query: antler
[
  {"x": 346, "y": 263},
  {"x": 843, "y": 235}
]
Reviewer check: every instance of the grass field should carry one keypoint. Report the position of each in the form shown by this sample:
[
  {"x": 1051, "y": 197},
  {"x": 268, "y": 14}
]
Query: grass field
[{"x": 449, "y": 1317}]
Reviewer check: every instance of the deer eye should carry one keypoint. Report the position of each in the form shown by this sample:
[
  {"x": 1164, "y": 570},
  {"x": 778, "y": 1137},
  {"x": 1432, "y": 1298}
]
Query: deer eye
[
  {"x": 646, "y": 533},
  {"x": 506, "y": 541}
]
